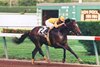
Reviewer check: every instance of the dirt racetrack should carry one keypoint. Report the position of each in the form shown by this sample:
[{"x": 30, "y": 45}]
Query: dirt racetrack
[{"x": 25, "y": 63}]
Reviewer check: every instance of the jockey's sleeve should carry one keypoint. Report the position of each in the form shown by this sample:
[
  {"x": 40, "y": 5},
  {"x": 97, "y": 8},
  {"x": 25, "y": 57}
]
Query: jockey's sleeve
[{"x": 56, "y": 25}]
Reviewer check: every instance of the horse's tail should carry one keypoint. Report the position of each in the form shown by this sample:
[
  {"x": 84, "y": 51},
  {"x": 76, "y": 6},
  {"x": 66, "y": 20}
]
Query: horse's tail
[{"x": 21, "y": 39}]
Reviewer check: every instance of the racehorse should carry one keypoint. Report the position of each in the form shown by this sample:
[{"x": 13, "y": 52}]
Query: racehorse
[{"x": 57, "y": 37}]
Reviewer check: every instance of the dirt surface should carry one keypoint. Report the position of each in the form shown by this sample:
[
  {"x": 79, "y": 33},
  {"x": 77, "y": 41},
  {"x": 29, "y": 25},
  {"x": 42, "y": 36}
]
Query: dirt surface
[{"x": 25, "y": 63}]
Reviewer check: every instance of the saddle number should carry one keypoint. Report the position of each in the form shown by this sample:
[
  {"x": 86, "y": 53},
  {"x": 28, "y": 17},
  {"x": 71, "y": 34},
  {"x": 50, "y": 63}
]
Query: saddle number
[{"x": 42, "y": 28}]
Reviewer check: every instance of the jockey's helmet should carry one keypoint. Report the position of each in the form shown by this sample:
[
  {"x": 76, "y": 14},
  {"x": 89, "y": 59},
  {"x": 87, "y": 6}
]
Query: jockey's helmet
[{"x": 62, "y": 18}]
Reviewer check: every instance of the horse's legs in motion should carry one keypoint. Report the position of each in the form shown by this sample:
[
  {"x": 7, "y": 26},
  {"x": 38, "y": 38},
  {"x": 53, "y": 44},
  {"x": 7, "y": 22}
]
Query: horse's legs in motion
[
  {"x": 64, "y": 53},
  {"x": 37, "y": 48},
  {"x": 33, "y": 54},
  {"x": 69, "y": 49}
]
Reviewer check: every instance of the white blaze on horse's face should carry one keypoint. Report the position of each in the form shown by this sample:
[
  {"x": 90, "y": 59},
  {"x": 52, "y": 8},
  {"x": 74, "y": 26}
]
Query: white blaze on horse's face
[
  {"x": 77, "y": 28},
  {"x": 76, "y": 25}
]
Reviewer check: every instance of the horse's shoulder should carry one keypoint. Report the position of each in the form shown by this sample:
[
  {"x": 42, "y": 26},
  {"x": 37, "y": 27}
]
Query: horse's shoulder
[{"x": 54, "y": 31}]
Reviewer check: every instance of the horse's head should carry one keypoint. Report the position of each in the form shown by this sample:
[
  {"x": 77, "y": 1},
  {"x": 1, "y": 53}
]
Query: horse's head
[{"x": 72, "y": 26}]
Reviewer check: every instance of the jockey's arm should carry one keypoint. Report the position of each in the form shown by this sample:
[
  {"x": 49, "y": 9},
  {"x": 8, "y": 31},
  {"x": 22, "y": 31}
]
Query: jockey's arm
[{"x": 57, "y": 25}]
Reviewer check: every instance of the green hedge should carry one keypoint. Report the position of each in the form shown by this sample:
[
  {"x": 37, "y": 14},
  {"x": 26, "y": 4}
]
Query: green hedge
[
  {"x": 14, "y": 30},
  {"x": 90, "y": 29},
  {"x": 18, "y": 9}
]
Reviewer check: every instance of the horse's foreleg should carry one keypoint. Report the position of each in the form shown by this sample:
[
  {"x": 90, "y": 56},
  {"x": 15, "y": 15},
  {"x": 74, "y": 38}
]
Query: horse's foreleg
[
  {"x": 64, "y": 56},
  {"x": 69, "y": 49},
  {"x": 64, "y": 53}
]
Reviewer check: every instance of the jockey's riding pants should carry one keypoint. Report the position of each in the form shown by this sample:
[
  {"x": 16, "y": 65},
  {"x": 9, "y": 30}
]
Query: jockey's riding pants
[{"x": 48, "y": 24}]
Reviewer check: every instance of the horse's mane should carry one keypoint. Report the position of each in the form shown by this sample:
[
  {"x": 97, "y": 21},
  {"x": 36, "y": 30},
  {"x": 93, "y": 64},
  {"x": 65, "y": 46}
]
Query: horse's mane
[
  {"x": 63, "y": 28},
  {"x": 68, "y": 20},
  {"x": 66, "y": 27}
]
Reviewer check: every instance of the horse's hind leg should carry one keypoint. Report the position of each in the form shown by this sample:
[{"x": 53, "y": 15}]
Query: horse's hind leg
[
  {"x": 33, "y": 54},
  {"x": 42, "y": 54},
  {"x": 37, "y": 48},
  {"x": 69, "y": 49}
]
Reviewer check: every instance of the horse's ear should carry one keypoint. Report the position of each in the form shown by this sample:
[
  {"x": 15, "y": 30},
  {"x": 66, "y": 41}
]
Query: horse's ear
[{"x": 67, "y": 20}]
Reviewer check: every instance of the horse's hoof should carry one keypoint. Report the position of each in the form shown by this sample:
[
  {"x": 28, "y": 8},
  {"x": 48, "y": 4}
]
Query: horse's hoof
[
  {"x": 63, "y": 61},
  {"x": 46, "y": 59},
  {"x": 80, "y": 61},
  {"x": 33, "y": 61}
]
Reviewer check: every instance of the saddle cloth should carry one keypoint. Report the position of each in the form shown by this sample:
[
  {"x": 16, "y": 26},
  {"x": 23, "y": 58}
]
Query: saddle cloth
[{"x": 43, "y": 30}]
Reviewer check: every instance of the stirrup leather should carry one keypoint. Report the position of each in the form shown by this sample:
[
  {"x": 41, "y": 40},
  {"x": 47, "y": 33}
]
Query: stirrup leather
[{"x": 48, "y": 40}]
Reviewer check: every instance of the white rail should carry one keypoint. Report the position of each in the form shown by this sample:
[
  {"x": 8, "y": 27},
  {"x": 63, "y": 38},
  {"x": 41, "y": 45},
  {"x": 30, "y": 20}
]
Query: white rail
[
  {"x": 10, "y": 35},
  {"x": 69, "y": 36},
  {"x": 93, "y": 38}
]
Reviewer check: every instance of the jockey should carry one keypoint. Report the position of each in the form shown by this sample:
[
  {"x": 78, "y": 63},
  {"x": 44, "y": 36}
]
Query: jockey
[{"x": 54, "y": 22}]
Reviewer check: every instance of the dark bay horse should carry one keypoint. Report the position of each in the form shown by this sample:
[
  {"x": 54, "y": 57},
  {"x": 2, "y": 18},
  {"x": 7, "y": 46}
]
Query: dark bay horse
[{"x": 57, "y": 36}]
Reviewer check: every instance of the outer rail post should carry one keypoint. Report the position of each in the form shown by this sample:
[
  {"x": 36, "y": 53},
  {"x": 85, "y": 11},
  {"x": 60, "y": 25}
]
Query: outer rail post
[
  {"x": 5, "y": 48},
  {"x": 96, "y": 52}
]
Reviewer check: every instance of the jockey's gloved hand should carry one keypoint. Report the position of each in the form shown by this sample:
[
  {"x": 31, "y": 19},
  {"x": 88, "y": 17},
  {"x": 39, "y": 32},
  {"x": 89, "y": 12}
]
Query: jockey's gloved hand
[{"x": 63, "y": 23}]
